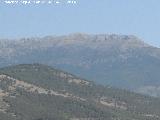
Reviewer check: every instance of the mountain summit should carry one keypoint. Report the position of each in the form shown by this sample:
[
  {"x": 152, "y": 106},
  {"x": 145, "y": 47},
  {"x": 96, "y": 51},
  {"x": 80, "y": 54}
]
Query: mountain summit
[{"x": 122, "y": 61}]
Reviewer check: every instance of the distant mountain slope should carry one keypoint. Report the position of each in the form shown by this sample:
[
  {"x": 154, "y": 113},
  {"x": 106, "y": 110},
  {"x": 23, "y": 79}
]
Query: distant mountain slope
[
  {"x": 118, "y": 60},
  {"x": 39, "y": 92}
]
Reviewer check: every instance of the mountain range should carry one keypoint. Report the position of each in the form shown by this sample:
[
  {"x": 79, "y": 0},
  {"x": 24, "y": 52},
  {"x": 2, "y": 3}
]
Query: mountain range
[{"x": 121, "y": 61}]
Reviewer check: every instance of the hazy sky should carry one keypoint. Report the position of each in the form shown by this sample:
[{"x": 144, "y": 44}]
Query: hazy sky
[{"x": 137, "y": 17}]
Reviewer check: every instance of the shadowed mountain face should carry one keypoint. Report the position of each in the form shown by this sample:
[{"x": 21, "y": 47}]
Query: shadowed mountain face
[
  {"x": 39, "y": 92},
  {"x": 118, "y": 60}
]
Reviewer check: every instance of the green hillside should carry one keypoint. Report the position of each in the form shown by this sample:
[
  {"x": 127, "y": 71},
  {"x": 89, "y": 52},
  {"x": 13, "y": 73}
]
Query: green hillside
[{"x": 40, "y": 92}]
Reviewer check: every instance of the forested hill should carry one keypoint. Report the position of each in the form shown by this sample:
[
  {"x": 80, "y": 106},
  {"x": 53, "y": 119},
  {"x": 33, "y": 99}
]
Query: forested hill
[{"x": 40, "y": 92}]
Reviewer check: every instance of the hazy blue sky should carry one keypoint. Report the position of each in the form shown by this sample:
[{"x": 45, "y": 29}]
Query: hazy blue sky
[{"x": 137, "y": 17}]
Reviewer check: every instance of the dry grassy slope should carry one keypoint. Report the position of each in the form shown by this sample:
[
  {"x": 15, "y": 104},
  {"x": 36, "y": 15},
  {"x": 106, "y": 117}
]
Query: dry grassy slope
[{"x": 30, "y": 89}]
